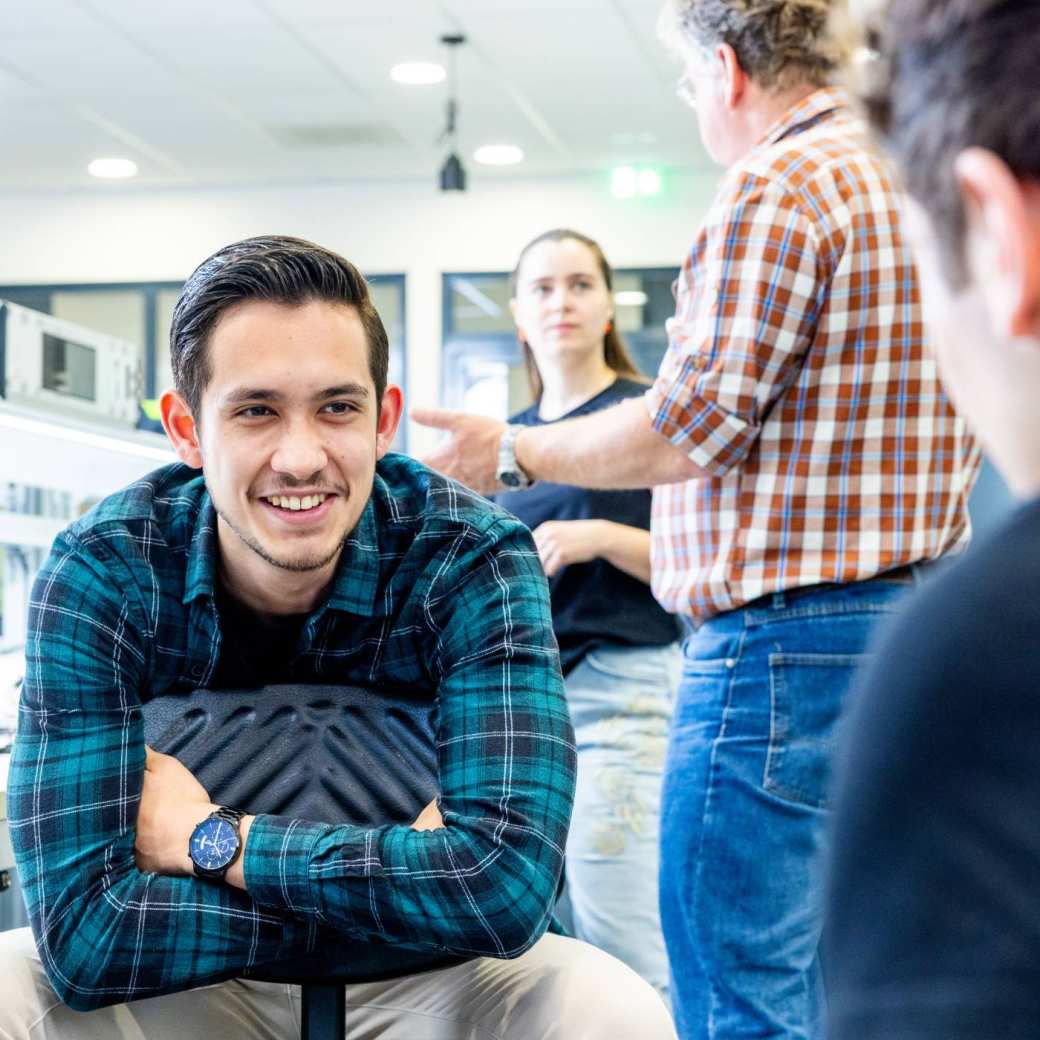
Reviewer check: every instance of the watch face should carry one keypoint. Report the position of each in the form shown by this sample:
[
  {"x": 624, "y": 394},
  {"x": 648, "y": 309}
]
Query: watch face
[
  {"x": 509, "y": 478},
  {"x": 213, "y": 844}
]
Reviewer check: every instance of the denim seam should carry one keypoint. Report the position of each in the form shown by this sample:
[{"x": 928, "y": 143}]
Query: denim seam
[{"x": 705, "y": 822}]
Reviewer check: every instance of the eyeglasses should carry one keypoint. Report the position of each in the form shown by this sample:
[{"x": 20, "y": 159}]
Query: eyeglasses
[{"x": 685, "y": 92}]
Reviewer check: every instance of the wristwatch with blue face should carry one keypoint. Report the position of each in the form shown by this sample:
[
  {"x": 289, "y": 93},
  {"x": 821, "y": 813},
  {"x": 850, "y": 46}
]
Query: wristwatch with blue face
[{"x": 216, "y": 843}]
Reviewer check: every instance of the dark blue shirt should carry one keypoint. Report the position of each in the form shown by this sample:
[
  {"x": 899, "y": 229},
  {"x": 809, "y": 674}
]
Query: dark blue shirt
[
  {"x": 934, "y": 907},
  {"x": 594, "y": 602}
]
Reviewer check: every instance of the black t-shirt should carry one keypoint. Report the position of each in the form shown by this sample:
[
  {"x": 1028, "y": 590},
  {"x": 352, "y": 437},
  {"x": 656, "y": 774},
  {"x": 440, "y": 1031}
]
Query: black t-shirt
[
  {"x": 594, "y": 602},
  {"x": 934, "y": 902},
  {"x": 255, "y": 649}
]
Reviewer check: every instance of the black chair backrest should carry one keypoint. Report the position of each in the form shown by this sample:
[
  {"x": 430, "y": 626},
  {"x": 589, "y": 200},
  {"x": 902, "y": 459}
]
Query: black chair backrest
[{"x": 330, "y": 754}]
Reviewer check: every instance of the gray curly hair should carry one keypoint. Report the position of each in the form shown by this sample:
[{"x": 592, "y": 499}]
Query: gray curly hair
[{"x": 778, "y": 42}]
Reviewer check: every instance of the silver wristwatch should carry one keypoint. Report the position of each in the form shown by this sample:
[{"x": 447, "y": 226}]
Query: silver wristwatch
[{"x": 509, "y": 473}]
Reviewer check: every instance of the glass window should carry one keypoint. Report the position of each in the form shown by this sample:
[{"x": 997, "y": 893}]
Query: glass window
[
  {"x": 116, "y": 312},
  {"x": 165, "y": 301},
  {"x": 388, "y": 298},
  {"x": 483, "y": 369},
  {"x": 478, "y": 304}
]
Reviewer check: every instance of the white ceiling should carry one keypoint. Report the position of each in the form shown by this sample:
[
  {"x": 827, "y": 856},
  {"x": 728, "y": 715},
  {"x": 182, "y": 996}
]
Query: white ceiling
[{"x": 204, "y": 92}]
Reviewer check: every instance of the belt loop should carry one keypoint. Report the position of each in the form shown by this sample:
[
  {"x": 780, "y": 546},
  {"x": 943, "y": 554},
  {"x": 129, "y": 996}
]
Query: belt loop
[{"x": 779, "y": 600}]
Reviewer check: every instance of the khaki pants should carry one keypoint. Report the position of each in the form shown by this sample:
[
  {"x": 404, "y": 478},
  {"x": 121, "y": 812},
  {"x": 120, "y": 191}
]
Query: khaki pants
[{"x": 561, "y": 989}]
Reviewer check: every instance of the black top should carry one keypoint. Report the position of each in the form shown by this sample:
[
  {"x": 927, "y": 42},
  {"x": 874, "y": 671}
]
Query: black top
[
  {"x": 255, "y": 649},
  {"x": 934, "y": 904},
  {"x": 594, "y": 602}
]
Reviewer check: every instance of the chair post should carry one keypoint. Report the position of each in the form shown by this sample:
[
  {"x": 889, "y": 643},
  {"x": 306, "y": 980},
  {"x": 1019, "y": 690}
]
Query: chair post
[{"x": 323, "y": 1012}]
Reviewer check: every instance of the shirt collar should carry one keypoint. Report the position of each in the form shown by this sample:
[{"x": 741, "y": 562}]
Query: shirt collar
[
  {"x": 357, "y": 575},
  {"x": 819, "y": 103},
  {"x": 202, "y": 552}
]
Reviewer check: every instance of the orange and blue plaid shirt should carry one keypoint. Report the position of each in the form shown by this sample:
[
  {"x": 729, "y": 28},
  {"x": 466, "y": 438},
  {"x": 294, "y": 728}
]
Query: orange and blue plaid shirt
[{"x": 799, "y": 380}]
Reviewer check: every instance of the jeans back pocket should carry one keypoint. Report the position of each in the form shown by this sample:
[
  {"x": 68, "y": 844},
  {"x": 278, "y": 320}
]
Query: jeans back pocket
[{"x": 807, "y": 693}]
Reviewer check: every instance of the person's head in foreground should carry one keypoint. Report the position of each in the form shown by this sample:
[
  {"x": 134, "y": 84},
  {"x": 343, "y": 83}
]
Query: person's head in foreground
[
  {"x": 745, "y": 62},
  {"x": 563, "y": 306},
  {"x": 955, "y": 97},
  {"x": 280, "y": 365},
  {"x": 933, "y": 908}
]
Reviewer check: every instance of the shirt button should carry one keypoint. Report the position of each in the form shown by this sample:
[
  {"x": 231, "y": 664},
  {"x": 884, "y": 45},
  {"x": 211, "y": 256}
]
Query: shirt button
[{"x": 731, "y": 662}]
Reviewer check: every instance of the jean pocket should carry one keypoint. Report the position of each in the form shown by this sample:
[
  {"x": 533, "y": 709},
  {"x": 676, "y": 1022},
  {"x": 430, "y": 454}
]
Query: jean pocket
[{"x": 807, "y": 692}]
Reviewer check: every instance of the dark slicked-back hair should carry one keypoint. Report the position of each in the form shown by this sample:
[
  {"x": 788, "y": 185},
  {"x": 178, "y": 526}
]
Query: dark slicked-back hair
[
  {"x": 276, "y": 269},
  {"x": 951, "y": 75}
]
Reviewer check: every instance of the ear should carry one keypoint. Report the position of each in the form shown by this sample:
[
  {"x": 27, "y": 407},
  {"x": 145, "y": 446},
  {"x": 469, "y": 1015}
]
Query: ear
[
  {"x": 1002, "y": 241},
  {"x": 389, "y": 419},
  {"x": 180, "y": 427},
  {"x": 734, "y": 80}
]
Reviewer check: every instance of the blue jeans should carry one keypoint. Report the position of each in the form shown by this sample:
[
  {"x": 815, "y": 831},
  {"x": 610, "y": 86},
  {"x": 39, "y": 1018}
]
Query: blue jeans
[
  {"x": 620, "y": 699},
  {"x": 744, "y": 807}
]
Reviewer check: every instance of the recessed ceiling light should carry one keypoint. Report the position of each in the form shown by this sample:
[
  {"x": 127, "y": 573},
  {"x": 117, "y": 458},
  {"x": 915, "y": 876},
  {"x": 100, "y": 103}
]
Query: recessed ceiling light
[
  {"x": 498, "y": 154},
  {"x": 112, "y": 169},
  {"x": 630, "y": 298},
  {"x": 418, "y": 73}
]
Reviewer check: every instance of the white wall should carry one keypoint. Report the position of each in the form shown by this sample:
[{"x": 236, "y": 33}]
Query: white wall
[{"x": 137, "y": 235}]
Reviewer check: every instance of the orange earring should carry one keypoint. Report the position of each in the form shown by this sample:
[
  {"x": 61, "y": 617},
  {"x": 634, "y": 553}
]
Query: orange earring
[{"x": 609, "y": 329}]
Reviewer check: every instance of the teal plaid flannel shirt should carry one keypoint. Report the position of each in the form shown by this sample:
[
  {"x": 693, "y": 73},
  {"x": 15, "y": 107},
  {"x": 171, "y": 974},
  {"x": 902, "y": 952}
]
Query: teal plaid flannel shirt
[{"x": 436, "y": 590}]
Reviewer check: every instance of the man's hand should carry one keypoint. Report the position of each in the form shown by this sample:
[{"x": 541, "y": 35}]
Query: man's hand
[
  {"x": 429, "y": 819},
  {"x": 470, "y": 454},
  {"x": 172, "y": 803},
  {"x": 562, "y": 542}
]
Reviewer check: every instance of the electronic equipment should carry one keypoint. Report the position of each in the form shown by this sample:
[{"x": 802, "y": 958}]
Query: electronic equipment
[{"x": 62, "y": 368}]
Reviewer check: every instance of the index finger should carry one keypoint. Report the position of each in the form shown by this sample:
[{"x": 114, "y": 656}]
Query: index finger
[{"x": 438, "y": 418}]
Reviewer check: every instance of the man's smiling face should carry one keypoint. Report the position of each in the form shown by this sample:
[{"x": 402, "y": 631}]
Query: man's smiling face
[{"x": 288, "y": 435}]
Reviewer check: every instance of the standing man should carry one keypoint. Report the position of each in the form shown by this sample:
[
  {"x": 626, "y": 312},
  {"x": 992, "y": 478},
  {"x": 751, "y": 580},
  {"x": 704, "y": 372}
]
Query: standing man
[
  {"x": 934, "y": 926},
  {"x": 811, "y": 462}
]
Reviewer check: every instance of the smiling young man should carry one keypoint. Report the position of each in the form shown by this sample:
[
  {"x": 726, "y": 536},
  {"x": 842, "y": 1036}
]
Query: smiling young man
[{"x": 305, "y": 552}]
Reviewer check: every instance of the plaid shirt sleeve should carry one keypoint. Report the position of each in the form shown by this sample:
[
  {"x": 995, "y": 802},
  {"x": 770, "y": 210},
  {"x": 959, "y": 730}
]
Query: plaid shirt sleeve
[
  {"x": 107, "y": 932},
  {"x": 742, "y": 327},
  {"x": 485, "y": 884}
]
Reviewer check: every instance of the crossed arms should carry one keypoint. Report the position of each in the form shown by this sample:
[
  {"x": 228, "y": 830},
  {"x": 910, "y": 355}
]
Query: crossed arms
[{"x": 483, "y": 884}]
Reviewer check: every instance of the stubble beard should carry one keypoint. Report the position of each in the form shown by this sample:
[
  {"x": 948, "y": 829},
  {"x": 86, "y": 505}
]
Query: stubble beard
[{"x": 297, "y": 565}]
